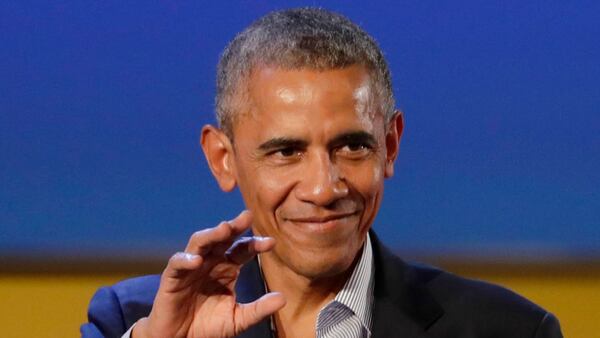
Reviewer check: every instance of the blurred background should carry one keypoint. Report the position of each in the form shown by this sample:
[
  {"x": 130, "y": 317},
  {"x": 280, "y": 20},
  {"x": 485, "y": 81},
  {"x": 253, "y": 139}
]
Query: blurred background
[{"x": 102, "y": 178}]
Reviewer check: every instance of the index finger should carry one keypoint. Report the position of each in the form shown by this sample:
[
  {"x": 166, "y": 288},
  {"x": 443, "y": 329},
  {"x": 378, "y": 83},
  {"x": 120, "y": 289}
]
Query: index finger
[
  {"x": 202, "y": 241},
  {"x": 241, "y": 223},
  {"x": 246, "y": 248}
]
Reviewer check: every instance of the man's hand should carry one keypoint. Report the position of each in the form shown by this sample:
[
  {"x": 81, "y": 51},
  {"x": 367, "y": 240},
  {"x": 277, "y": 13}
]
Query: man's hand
[{"x": 196, "y": 297}]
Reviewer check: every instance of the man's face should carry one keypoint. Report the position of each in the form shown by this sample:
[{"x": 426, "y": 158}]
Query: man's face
[{"x": 310, "y": 160}]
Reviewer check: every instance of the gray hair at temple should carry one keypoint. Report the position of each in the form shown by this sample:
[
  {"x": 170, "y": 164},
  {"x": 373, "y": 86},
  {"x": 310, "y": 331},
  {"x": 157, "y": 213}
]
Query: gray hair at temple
[{"x": 303, "y": 38}]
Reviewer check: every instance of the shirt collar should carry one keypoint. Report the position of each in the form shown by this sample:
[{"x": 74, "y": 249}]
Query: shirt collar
[{"x": 357, "y": 292}]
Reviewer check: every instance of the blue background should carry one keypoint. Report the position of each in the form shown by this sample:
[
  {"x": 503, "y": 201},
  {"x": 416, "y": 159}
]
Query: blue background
[{"x": 101, "y": 103}]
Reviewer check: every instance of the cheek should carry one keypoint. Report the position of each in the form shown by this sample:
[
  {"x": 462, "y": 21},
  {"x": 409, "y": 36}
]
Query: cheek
[
  {"x": 367, "y": 180},
  {"x": 377, "y": 176},
  {"x": 269, "y": 190},
  {"x": 373, "y": 190},
  {"x": 369, "y": 184}
]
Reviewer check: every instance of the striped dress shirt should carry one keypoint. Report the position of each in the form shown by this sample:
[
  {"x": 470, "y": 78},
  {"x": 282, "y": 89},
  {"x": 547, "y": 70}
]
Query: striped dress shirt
[{"x": 349, "y": 314}]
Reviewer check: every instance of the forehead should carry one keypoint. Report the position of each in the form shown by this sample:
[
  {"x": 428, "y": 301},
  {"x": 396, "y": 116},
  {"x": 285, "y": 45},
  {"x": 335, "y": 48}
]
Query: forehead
[{"x": 303, "y": 98}]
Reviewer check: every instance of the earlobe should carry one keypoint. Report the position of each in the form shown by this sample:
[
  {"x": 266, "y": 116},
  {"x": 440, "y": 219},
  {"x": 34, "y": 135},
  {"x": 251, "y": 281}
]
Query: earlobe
[
  {"x": 218, "y": 151},
  {"x": 392, "y": 142}
]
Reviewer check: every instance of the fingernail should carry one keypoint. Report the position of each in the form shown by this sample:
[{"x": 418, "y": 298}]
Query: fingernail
[{"x": 189, "y": 256}]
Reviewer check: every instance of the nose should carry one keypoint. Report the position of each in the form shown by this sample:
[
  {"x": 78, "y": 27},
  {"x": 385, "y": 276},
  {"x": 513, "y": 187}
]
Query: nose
[{"x": 322, "y": 183}]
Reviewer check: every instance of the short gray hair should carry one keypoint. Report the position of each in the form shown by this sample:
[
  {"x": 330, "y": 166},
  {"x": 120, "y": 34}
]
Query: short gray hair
[{"x": 310, "y": 38}]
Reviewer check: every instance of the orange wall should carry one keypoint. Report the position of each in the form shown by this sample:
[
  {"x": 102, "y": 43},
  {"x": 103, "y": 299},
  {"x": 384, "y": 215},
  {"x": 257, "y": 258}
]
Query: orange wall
[{"x": 54, "y": 305}]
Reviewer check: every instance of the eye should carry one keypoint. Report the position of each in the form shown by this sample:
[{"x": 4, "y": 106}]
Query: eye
[
  {"x": 355, "y": 150},
  {"x": 356, "y": 146},
  {"x": 287, "y": 152}
]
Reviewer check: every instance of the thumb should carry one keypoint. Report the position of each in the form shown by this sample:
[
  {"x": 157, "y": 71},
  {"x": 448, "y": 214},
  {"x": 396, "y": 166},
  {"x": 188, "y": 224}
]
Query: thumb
[{"x": 247, "y": 315}]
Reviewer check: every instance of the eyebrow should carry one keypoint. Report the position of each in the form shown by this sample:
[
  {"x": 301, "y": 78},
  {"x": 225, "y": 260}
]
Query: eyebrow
[
  {"x": 352, "y": 137},
  {"x": 282, "y": 143}
]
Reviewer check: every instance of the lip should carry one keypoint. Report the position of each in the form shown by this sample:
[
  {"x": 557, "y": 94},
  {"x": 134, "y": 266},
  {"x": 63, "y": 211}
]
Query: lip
[
  {"x": 321, "y": 219},
  {"x": 321, "y": 223}
]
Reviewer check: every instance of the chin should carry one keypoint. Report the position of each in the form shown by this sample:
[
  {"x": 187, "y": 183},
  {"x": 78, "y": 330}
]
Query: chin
[{"x": 322, "y": 264}]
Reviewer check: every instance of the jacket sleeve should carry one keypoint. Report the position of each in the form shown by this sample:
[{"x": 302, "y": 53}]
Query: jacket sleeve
[
  {"x": 549, "y": 327},
  {"x": 105, "y": 316}
]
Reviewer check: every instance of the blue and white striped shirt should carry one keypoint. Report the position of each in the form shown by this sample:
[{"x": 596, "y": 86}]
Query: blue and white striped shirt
[{"x": 350, "y": 313}]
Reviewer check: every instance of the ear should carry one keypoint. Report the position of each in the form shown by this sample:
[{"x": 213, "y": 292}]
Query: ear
[
  {"x": 392, "y": 142},
  {"x": 219, "y": 155}
]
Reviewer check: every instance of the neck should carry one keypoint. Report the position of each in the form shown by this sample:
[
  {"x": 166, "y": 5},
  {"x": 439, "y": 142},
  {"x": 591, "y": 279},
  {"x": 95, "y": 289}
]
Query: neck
[
  {"x": 305, "y": 296},
  {"x": 301, "y": 292}
]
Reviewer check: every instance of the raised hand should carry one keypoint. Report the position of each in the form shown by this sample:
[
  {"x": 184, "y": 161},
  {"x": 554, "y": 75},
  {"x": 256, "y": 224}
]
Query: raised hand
[{"x": 196, "y": 297}]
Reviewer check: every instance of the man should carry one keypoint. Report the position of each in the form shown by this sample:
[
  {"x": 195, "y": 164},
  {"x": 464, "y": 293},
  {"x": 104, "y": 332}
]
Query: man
[{"x": 308, "y": 132}]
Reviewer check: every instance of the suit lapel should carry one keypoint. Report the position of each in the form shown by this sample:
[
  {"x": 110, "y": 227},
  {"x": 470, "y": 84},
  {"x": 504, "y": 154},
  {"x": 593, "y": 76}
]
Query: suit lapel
[
  {"x": 250, "y": 286},
  {"x": 403, "y": 306}
]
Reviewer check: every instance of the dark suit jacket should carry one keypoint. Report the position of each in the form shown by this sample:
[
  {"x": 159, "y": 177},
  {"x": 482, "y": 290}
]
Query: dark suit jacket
[{"x": 411, "y": 301}]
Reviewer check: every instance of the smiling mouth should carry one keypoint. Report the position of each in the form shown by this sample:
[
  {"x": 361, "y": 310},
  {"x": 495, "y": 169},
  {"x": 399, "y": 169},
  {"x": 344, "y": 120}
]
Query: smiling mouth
[{"x": 322, "y": 219}]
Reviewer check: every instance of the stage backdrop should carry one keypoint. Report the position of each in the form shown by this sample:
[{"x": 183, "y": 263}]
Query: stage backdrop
[{"x": 101, "y": 104}]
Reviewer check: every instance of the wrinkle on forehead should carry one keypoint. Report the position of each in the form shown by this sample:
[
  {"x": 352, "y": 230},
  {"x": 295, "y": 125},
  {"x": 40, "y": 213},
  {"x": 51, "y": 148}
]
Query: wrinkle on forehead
[
  {"x": 363, "y": 97},
  {"x": 288, "y": 95},
  {"x": 302, "y": 90}
]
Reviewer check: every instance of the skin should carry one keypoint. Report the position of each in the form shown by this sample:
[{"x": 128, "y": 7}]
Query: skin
[{"x": 310, "y": 157}]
